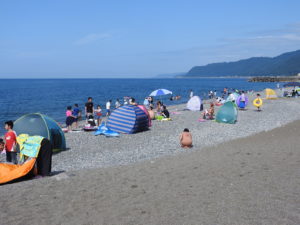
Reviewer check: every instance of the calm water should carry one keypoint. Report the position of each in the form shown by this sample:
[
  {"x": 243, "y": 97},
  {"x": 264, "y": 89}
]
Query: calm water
[{"x": 51, "y": 96}]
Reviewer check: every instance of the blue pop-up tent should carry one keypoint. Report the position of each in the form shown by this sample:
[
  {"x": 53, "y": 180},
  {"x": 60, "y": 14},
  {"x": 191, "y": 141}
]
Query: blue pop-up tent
[
  {"x": 42, "y": 125},
  {"x": 128, "y": 119},
  {"x": 227, "y": 113}
]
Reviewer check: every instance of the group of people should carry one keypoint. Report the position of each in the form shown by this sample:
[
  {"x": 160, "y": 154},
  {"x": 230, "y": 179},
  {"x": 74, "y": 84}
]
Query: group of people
[
  {"x": 92, "y": 113},
  {"x": 74, "y": 114}
]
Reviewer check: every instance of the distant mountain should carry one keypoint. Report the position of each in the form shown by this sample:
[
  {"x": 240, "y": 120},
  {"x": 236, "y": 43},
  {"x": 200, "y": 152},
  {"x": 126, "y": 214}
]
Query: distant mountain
[{"x": 287, "y": 64}]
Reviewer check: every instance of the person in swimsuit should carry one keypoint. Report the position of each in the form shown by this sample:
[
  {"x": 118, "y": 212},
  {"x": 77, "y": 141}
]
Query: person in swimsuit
[
  {"x": 186, "y": 139},
  {"x": 151, "y": 113}
]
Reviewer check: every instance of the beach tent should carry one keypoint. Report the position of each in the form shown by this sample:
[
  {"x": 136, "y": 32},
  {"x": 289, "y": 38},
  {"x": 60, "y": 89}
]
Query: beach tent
[
  {"x": 39, "y": 152},
  {"x": 241, "y": 104},
  {"x": 194, "y": 104},
  {"x": 42, "y": 125},
  {"x": 142, "y": 107},
  {"x": 270, "y": 94},
  {"x": 227, "y": 113},
  {"x": 128, "y": 119}
]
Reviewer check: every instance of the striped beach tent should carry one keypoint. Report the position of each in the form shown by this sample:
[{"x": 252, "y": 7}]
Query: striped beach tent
[{"x": 128, "y": 119}]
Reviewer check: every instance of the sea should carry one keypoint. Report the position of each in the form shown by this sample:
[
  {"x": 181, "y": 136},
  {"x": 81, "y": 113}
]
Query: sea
[{"x": 52, "y": 96}]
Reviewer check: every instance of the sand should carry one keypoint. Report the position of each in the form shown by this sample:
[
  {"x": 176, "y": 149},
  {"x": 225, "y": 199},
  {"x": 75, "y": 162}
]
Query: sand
[{"x": 252, "y": 180}]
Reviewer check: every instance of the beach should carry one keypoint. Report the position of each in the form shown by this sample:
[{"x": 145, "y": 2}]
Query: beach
[
  {"x": 251, "y": 180},
  {"x": 89, "y": 151},
  {"x": 243, "y": 173}
]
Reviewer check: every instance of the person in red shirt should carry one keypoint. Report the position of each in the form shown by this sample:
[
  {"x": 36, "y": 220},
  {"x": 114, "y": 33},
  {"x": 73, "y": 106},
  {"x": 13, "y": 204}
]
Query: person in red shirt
[{"x": 10, "y": 143}]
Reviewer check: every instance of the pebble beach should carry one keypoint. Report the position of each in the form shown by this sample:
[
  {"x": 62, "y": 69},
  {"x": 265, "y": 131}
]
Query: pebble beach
[{"x": 86, "y": 151}]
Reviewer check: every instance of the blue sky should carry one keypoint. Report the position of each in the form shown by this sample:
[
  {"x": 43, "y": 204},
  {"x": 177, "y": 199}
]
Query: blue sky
[{"x": 61, "y": 38}]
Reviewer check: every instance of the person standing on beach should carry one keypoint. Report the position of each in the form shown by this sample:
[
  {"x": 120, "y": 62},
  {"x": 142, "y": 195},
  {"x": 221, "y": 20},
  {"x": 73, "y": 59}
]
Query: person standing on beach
[
  {"x": 258, "y": 101},
  {"x": 98, "y": 112},
  {"x": 108, "y": 105},
  {"x": 146, "y": 103},
  {"x": 10, "y": 143},
  {"x": 89, "y": 108},
  {"x": 117, "y": 104},
  {"x": 243, "y": 101},
  {"x": 70, "y": 118},
  {"x": 191, "y": 93},
  {"x": 76, "y": 114}
]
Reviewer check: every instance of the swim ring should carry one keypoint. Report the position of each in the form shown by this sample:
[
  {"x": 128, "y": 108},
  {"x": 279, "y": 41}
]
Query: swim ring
[{"x": 257, "y": 102}]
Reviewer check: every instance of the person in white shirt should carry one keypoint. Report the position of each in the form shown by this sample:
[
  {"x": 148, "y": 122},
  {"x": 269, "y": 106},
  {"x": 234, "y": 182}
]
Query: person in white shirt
[
  {"x": 146, "y": 103},
  {"x": 191, "y": 93},
  {"x": 117, "y": 104},
  {"x": 108, "y": 104}
]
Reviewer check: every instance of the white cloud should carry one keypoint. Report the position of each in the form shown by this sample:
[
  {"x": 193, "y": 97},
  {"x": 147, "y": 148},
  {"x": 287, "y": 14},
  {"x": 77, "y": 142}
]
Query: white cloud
[{"x": 92, "y": 38}]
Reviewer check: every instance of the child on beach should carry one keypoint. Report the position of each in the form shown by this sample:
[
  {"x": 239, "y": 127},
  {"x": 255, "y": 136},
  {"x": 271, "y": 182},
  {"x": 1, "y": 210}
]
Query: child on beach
[
  {"x": 108, "y": 105},
  {"x": 76, "y": 114},
  {"x": 258, "y": 99},
  {"x": 211, "y": 111},
  {"x": 151, "y": 113},
  {"x": 186, "y": 139},
  {"x": 158, "y": 107},
  {"x": 69, "y": 118},
  {"x": 98, "y": 112},
  {"x": 10, "y": 143},
  {"x": 165, "y": 113},
  {"x": 209, "y": 114}
]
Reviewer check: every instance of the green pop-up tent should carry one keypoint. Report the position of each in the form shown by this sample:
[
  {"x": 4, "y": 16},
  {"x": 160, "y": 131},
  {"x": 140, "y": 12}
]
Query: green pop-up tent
[
  {"x": 227, "y": 113},
  {"x": 41, "y": 125}
]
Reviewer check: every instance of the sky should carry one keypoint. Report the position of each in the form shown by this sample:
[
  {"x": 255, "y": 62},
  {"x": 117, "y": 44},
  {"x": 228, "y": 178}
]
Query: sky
[{"x": 139, "y": 38}]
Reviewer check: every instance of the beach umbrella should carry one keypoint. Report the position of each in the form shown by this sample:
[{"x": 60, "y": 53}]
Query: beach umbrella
[
  {"x": 292, "y": 84},
  {"x": 160, "y": 92}
]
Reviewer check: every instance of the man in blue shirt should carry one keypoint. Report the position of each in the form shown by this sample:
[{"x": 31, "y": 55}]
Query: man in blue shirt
[{"x": 76, "y": 113}]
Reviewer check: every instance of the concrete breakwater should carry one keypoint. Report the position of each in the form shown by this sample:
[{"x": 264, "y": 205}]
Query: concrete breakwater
[{"x": 274, "y": 79}]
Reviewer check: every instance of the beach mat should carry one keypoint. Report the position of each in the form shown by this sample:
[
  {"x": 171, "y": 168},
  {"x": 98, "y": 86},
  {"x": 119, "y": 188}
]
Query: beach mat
[{"x": 10, "y": 172}]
